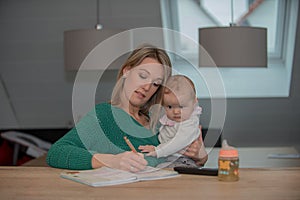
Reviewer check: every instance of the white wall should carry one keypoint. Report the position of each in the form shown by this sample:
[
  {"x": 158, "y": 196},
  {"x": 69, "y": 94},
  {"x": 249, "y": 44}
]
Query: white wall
[{"x": 31, "y": 54}]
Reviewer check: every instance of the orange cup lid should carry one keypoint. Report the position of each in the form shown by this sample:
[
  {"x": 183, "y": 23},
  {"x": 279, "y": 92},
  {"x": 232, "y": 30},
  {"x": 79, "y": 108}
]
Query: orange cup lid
[{"x": 228, "y": 153}]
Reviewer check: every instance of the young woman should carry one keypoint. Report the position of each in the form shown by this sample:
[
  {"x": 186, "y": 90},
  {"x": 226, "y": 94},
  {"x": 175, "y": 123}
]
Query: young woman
[{"x": 97, "y": 140}]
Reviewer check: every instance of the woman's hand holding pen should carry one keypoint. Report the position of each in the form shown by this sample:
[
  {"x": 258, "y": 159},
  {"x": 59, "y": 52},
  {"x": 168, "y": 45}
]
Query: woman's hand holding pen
[{"x": 128, "y": 161}]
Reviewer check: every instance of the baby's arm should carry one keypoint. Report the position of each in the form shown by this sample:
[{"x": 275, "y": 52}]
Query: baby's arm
[
  {"x": 149, "y": 149},
  {"x": 187, "y": 132}
]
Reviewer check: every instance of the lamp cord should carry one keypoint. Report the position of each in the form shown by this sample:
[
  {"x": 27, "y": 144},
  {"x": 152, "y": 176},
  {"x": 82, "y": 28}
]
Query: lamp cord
[
  {"x": 97, "y": 12},
  {"x": 232, "y": 13},
  {"x": 98, "y": 26}
]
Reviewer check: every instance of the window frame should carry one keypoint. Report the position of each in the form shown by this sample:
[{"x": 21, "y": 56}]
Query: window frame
[{"x": 279, "y": 63}]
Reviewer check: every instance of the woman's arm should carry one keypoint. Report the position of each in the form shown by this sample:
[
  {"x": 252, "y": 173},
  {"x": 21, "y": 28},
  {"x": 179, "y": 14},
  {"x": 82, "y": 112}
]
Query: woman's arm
[
  {"x": 69, "y": 153},
  {"x": 87, "y": 146}
]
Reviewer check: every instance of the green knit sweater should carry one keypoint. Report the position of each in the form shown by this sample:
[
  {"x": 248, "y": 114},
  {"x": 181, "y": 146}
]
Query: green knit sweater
[{"x": 100, "y": 131}]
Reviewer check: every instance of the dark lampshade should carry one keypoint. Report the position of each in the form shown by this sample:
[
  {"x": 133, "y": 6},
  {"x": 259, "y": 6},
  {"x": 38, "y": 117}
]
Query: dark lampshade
[
  {"x": 234, "y": 46},
  {"x": 79, "y": 43}
]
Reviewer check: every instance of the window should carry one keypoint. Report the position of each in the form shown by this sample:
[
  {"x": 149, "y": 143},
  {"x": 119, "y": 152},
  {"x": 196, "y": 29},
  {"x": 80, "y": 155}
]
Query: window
[{"x": 280, "y": 19}]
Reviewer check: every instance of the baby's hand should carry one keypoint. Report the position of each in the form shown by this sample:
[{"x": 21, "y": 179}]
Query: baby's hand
[
  {"x": 146, "y": 148},
  {"x": 149, "y": 149}
]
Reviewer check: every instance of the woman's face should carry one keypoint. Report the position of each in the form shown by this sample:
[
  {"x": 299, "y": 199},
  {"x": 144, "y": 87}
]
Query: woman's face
[{"x": 142, "y": 81}]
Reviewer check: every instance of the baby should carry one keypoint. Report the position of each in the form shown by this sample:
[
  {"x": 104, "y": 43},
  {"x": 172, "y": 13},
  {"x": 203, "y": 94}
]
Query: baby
[{"x": 180, "y": 124}]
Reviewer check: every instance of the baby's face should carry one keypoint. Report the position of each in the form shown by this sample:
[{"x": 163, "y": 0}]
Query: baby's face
[{"x": 178, "y": 108}]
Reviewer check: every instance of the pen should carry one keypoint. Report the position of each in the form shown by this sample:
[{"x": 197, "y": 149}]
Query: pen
[{"x": 129, "y": 144}]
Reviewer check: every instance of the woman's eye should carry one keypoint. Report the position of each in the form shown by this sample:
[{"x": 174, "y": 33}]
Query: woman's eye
[{"x": 143, "y": 76}]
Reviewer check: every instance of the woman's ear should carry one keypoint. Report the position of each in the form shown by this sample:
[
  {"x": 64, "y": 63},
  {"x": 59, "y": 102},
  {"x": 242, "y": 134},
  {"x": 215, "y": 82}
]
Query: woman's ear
[{"x": 125, "y": 71}]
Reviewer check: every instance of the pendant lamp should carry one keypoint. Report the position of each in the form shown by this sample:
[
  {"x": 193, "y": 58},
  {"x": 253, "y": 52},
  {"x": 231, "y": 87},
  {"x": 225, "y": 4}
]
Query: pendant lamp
[
  {"x": 79, "y": 43},
  {"x": 233, "y": 46}
]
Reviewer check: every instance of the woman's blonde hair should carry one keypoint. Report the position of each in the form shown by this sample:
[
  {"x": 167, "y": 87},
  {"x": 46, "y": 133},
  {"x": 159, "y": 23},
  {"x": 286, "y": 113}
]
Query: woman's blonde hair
[{"x": 136, "y": 57}]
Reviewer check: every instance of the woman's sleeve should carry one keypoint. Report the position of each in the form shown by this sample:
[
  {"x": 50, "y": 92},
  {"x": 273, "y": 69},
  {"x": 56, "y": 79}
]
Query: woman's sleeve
[
  {"x": 74, "y": 150},
  {"x": 69, "y": 153}
]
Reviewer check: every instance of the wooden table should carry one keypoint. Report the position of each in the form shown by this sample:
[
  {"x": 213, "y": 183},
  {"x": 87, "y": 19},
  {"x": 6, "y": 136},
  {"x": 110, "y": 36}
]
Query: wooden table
[{"x": 45, "y": 183}]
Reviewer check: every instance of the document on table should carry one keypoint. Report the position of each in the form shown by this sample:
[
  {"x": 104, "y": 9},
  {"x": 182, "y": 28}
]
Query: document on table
[{"x": 106, "y": 176}]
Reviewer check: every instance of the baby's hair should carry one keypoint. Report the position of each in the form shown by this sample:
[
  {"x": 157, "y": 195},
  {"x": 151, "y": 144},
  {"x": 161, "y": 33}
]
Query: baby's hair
[{"x": 180, "y": 83}]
